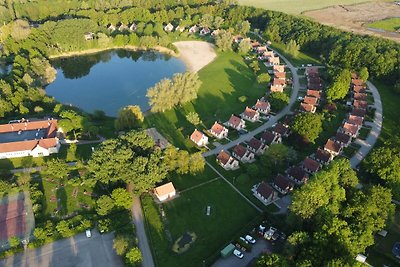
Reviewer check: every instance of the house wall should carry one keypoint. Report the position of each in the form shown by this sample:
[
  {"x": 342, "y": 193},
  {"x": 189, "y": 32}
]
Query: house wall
[{"x": 15, "y": 154}]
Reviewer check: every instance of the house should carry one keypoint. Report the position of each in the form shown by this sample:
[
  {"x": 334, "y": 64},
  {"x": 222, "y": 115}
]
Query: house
[
  {"x": 278, "y": 68},
  {"x": 356, "y": 120},
  {"x": 343, "y": 139},
  {"x": 314, "y": 86},
  {"x": 360, "y": 96},
  {"x": 133, "y": 27},
  {"x": 111, "y": 28},
  {"x": 281, "y": 129},
  {"x": 314, "y": 80},
  {"x": 219, "y": 131},
  {"x": 205, "y": 31},
  {"x": 333, "y": 147},
  {"x": 268, "y": 54},
  {"x": 359, "y": 89},
  {"x": 282, "y": 184},
  {"x": 265, "y": 193},
  {"x": 360, "y": 104},
  {"x": 279, "y": 82},
  {"x": 311, "y": 100},
  {"x": 273, "y": 61},
  {"x": 169, "y": 27},
  {"x": 123, "y": 28},
  {"x": 311, "y": 71},
  {"x": 276, "y": 89},
  {"x": 215, "y": 32},
  {"x": 261, "y": 49},
  {"x": 227, "y": 161},
  {"x": 179, "y": 28},
  {"x": 242, "y": 154},
  {"x": 165, "y": 192},
  {"x": 193, "y": 29},
  {"x": 311, "y": 166},
  {"x": 314, "y": 93},
  {"x": 307, "y": 108},
  {"x": 199, "y": 138},
  {"x": 237, "y": 39},
  {"x": 89, "y": 36},
  {"x": 358, "y": 112},
  {"x": 236, "y": 123},
  {"x": 251, "y": 114},
  {"x": 350, "y": 129},
  {"x": 297, "y": 174},
  {"x": 256, "y": 146},
  {"x": 323, "y": 156},
  {"x": 262, "y": 106},
  {"x": 254, "y": 44},
  {"x": 280, "y": 75},
  {"x": 29, "y": 138},
  {"x": 357, "y": 82},
  {"x": 269, "y": 138}
]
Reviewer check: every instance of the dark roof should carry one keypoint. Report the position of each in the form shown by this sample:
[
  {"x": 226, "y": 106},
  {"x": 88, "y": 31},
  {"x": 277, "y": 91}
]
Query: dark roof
[
  {"x": 268, "y": 137},
  {"x": 342, "y": 138},
  {"x": 223, "y": 157},
  {"x": 255, "y": 143},
  {"x": 297, "y": 173},
  {"x": 358, "y": 112},
  {"x": 311, "y": 164},
  {"x": 281, "y": 129},
  {"x": 239, "y": 150},
  {"x": 265, "y": 190},
  {"x": 322, "y": 155},
  {"x": 282, "y": 182},
  {"x": 332, "y": 146},
  {"x": 360, "y": 104}
]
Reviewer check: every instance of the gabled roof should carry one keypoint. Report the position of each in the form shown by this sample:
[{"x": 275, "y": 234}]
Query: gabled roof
[
  {"x": 265, "y": 190},
  {"x": 280, "y": 129},
  {"x": 250, "y": 113},
  {"x": 282, "y": 182},
  {"x": 314, "y": 80},
  {"x": 312, "y": 70},
  {"x": 358, "y": 112},
  {"x": 255, "y": 143},
  {"x": 268, "y": 137},
  {"x": 297, "y": 173},
  {"x": 360, "y": 104},
  {"x": 262, "y": 105},
  {"x": 278, "y": 68},
  {"x": 359, "y": 89},
  {"x": 322, "y": 155},
  {"x": 360, "y": 96},
  {"x": 196, "y": 136},
  {"x": 239, "y": 150},
  {"x": 278, "y": 82},
  {"x": 314, "y": 86},
  {"x": 27, "y": 145},
  {"x": 311, "y": 164},
  {"x": 310, "y": 100},
  {"x": 30, "y": 125},
  {"x": 274, "y": 60},
  {"x": 164, "y": 189},
  {"x": 332, "y": 146},
  {"x": 235, "y": 120},
  {"x": 314, "y": 93},
  {"x": 307, "y": 107},
  {"x": 223, "y": 157},
  {"x": 350, "y": 128},
  {"x": 342, "y": 138},
  {"x": 217, "y": 128},
  {"x": 356, "y": 120},
  {"x": 47, "y": 143},
  {"x": 357, "y": 82},
  {"x": 280, "y": 75}
]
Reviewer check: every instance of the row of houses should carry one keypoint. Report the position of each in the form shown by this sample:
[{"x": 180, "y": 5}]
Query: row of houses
[{"x": 314, "y": 91}]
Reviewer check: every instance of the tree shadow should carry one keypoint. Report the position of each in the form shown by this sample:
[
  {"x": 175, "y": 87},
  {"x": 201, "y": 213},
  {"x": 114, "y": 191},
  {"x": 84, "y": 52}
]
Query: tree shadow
[{"x": 62, "y": 199}]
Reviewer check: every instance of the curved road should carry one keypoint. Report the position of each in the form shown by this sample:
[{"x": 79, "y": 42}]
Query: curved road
[{"x": 272, "y": 120}]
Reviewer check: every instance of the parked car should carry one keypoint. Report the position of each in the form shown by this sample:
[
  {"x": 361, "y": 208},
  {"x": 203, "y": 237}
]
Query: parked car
[
  {"x": 88, "y": 233},
  {"x": 244, "y": 240},
  {"x": 271, "y": 231},
  {"x": 250, "y": 239},
  {"x": 238, "y": 254}
]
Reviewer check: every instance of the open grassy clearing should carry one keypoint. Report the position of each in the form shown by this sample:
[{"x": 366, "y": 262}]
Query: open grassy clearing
[
  {"x": 187, "y": 213},
  {"x": 185, "y": 181},
  {"x": 297, "y": 7},
  {"x": 391, "y": 24},
  {"x": 224, "y": 81}
]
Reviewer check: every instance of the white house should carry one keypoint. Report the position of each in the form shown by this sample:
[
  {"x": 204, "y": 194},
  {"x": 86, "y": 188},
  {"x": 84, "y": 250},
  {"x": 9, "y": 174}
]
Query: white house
[
  {"x": 251, "y": 114},
  {"x": 265, "y": 193},
  {"x": 262, "y": 106},
  {"x": 242, "y": 154},
  {"x": 227, "y": 161},
  {"x": 165, "y": 192},
  {"x": 219, "y": 131},
  {"x": 169, "y": 27},
  {"x": 236, "y": 123},
  {"x": 199, "y": 138}
]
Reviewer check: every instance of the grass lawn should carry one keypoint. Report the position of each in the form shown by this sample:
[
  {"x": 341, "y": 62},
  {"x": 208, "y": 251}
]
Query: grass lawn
[
  {"x": 391, "y": 24},
  {"x": 301, "y": 58},
  {"x": 224, "y": 81},
  {"x": 184, "y": 181},
  {"x": 381, "y": 253},
  {"x": 229, "y": 216},
  {"x": 297, "y": 7}
]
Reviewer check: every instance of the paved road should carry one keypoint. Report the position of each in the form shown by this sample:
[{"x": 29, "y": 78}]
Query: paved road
[
  {"x": 367, "y": 145},
  {"x": 144, "y": 247},
  {"x": 77, "y": 251},
  {"x": 271, "y": 121},
  {"x": 231, "y": 261}
]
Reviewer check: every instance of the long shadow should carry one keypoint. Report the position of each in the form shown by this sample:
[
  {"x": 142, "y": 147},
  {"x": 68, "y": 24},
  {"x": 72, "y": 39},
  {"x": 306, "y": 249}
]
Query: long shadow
[{"x": 62, "y": 198}]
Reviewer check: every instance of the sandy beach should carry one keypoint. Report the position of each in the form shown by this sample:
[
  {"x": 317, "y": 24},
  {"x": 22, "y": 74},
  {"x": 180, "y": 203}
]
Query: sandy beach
[{"x": 196, "y": 54}]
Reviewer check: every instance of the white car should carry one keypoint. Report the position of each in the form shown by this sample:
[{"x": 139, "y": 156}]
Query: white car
[
  {"x": 88, "y": 233},
  {"x": 250, "y": 239},
  {"x": 238, "y": 254},
  {"x": 244, "y": 240}
]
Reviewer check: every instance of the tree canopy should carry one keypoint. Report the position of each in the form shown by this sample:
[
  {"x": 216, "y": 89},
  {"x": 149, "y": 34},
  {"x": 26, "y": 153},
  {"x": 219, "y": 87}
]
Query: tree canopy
[
  {"x": 129, "y": 117},
  {"x": 340, "y": 86},
  {"x": 308, "y": 125}
]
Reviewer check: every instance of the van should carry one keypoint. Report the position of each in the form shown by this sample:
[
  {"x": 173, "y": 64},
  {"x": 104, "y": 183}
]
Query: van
[{"x": 88, "y": 233}]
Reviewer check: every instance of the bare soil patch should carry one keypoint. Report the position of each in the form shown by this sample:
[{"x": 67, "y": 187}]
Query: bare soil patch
[
  {"x": 355, "y": 18},
  {"x": 195, "y": 54}
]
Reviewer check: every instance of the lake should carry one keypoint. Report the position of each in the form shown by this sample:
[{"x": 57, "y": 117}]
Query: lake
[{"x": 110, "y": 80}]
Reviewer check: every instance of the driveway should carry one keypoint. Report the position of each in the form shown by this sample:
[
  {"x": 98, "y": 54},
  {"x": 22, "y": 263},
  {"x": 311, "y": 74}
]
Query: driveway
[
  {"x": 368, "y": 144},
  {"x": 77, "y": 251},
  {"x": 271, "y": 121},
  {"x": 258, "y": 248}
]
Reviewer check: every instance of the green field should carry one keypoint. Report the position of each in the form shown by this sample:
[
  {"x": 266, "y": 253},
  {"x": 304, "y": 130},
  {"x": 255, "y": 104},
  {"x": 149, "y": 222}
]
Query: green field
[
  {"x": 390, "y": 25},
  {"x": 298, "y": 6},
  {"x": 229, "y": 216}
]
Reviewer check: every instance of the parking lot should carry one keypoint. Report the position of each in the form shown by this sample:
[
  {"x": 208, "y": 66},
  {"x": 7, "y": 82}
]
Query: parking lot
[{"x": 77, "y": 251}]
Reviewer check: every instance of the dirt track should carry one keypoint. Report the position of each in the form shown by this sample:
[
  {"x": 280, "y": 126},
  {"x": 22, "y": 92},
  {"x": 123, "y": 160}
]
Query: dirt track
[
  {"x": 196, "y": 54},
  {"x": 354, "y": 18}
]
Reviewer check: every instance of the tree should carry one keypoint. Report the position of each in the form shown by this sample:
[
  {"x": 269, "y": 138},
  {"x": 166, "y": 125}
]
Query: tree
[
  {"x": 278, "y": 156},
  {"x": 364, "y": 74},
  {"x": 120, "y": 244},
  {"x": 206, "y": 20},
  {"x": 122, "y": 198},
  {"x": 224, "y": 40},
  {"x": 272, "y": 260},
  {"x": 252, "y": 170},
  {"x": 255, "y": 66},
  {"x": 243, "y": 27},
  {"x": 20, "y": 29},
  {"x": 193, "y": 118},
  {"x": 71, "y": 152},
  {"x": 57, "y": 168},
  {"x": 104, "y": 205},
  {"x": 292, "y": 48},
  {"x": 40, "y": 233},
  {"x": 129, "y": 117},
  {"x": 134, "y": 256},
  {"x": 244, "y": 46},
  {"x": 218, "y": 21},
  {"x": 64, "y": 229},
  {"x": 385, "y": 163},
  {"x": 72, "y": 122},
  {"x": 196, "y": 163},
  {"x": 278, "y": 101},
  {"x": 263, "y": 78},
  {"x": 340, "y": 86},
  {"x": 14, "y": 242},
  {"x": 308, "y": 125}
]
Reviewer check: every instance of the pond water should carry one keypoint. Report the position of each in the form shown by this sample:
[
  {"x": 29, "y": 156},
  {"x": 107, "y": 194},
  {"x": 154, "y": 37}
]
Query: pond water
[{"x": 110, "y": 80}]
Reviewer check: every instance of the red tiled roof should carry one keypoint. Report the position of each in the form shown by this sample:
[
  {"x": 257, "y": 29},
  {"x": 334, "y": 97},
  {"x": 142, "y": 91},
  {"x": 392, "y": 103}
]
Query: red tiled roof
[
  {"x": 350, "y": 128},
  {"x": 263, "y": 105},
  {"x": 278, "y": 82},
  {"x": 217, "y": 128},
  {"x": 311, "y": 164},
  {"x": 165, "y": 189},
  {"x": 274, "y": 60},
  {"x": 48, "y": 142},
  {"x": 314, "y": 93},
  {"x": 250, "y": 113},
  {"x": 310, "y": 100},
  {"x": 278, "y": 68},
  {"x": 307, "y": 107},
  {"x": 223, "y": 157},
  {"x": 196, "y": 136},
  {"x": 234, "y": 120},
  {"x": 280, "y": 75},
  {"x": 360, "y": 104},
  {"x": 332, "y": 146},
  {"x": 27, "y": 145},
  {"x": 357, "y": 82},
  {"x": 360, "y": 96},
  {"x": 356, "y": 120},
  {"x": 239, "y": 150},
  {"x": 29, "y": 126},
  {"x": 359, "y": 89}
]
